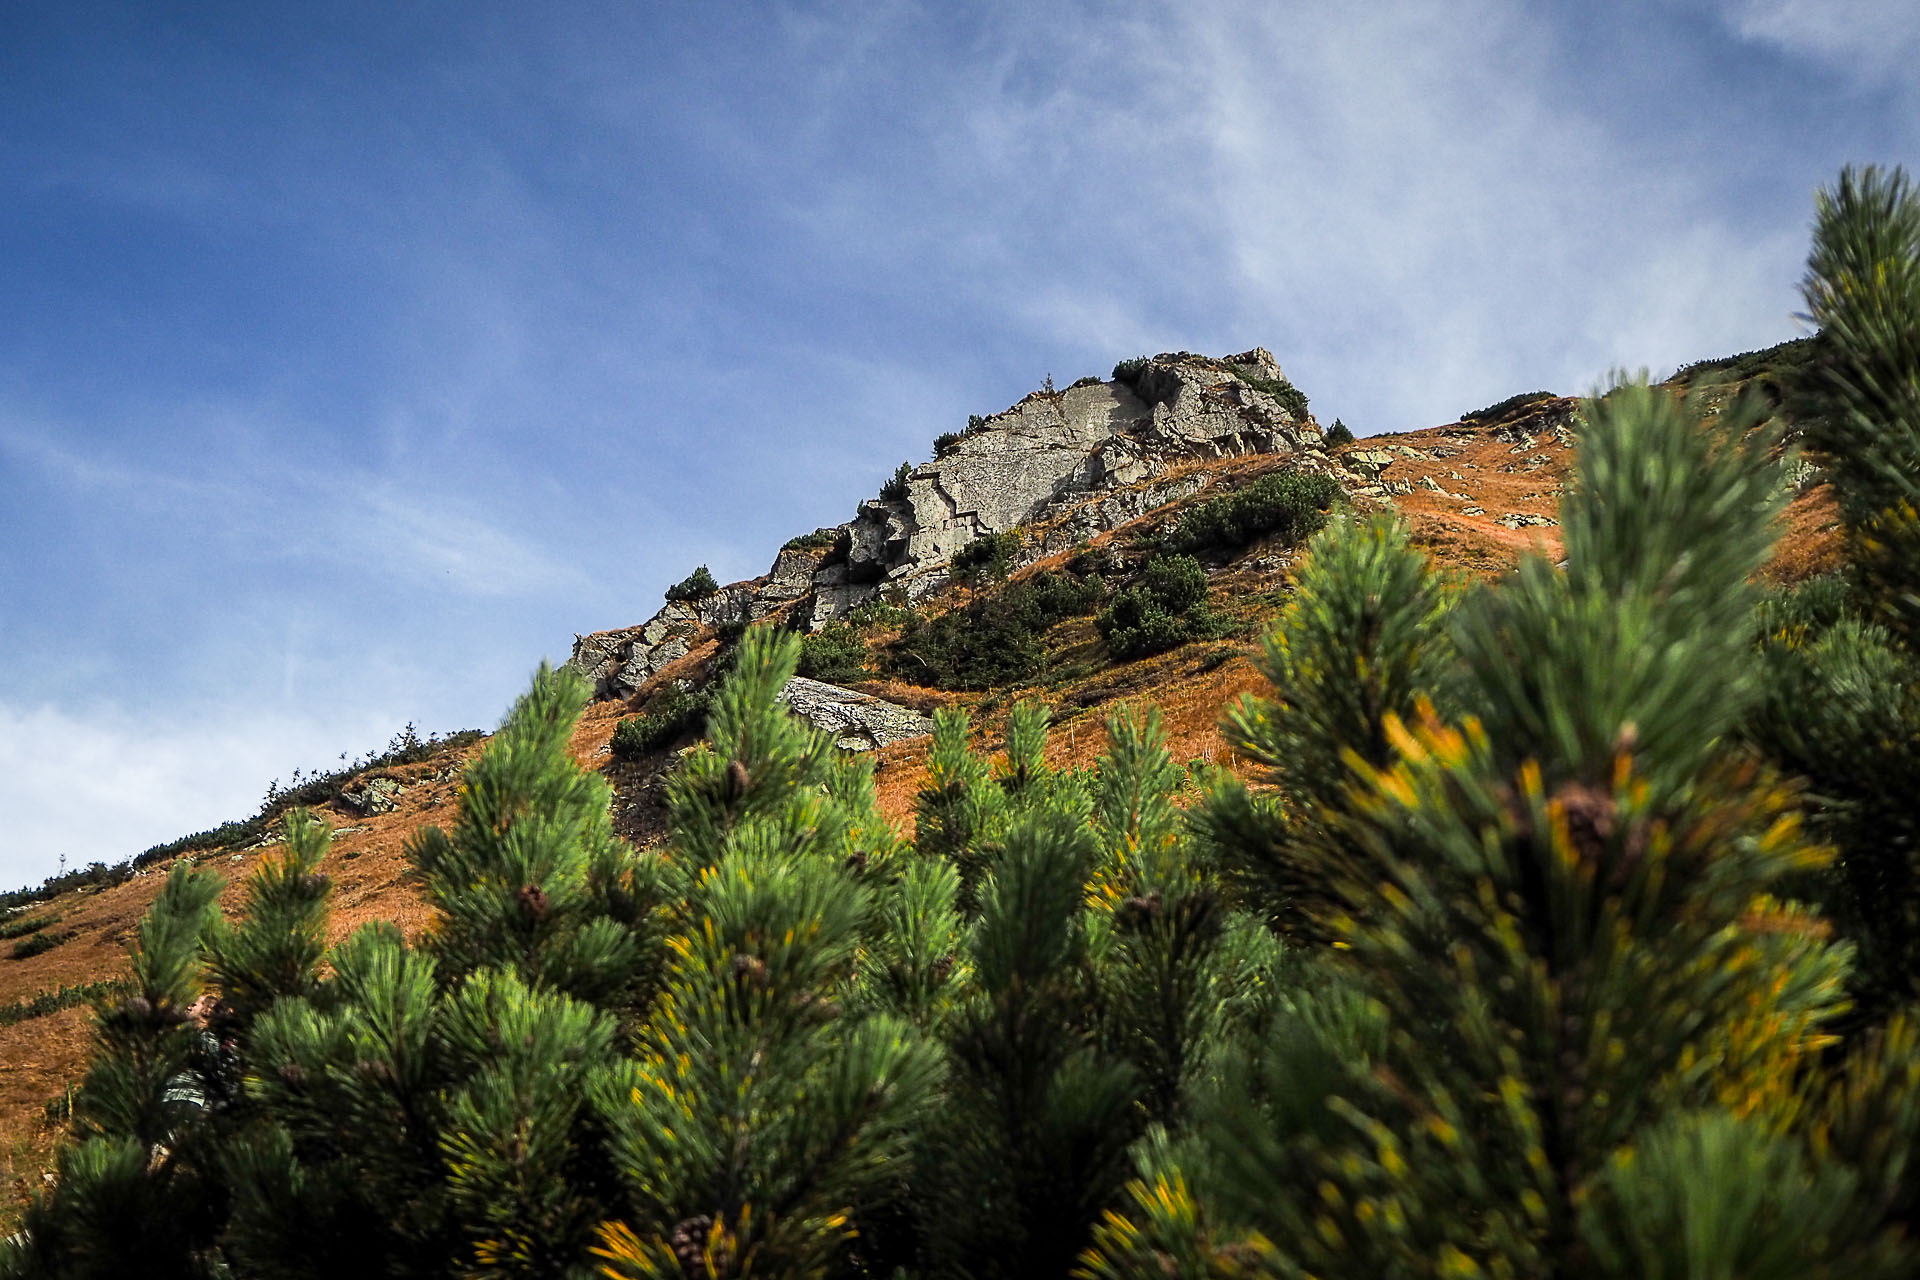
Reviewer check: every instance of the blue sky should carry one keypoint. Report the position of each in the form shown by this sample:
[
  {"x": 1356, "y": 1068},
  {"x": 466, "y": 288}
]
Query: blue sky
[{"x": 356, "y": 356}]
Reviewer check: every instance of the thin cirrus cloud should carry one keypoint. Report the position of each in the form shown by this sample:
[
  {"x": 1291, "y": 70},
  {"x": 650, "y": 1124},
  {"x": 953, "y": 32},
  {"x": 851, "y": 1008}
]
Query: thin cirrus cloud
[
  {"x": 358, "y": 363},
  {"x": 1877, "y": 41}
]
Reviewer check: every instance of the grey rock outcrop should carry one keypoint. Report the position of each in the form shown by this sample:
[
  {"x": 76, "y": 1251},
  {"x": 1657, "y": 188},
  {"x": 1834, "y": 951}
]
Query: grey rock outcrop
[
  {"x": 857, "y": 721},
  {"x": 1077, "y": 462},
  {"x": 371, "y": 795}
]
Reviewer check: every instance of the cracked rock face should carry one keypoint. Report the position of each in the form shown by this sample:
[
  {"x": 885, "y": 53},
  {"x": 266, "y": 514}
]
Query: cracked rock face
[
  {"x": 856, "y": 721},
  {"x": 1084, "y": 455}
]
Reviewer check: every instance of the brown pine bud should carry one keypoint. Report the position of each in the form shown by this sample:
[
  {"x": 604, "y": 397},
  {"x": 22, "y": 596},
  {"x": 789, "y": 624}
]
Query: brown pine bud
[
  {"x": 737, "y": 782},
  {"x": 752, "y": 968}
]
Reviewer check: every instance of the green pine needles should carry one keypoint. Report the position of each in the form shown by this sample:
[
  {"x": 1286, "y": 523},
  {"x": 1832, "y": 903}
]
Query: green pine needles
[{"x": 1566, "y": 927}]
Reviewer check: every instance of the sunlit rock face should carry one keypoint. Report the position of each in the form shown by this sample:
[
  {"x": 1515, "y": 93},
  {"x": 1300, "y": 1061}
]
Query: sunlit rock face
[{"x": 1080, "y": 460}]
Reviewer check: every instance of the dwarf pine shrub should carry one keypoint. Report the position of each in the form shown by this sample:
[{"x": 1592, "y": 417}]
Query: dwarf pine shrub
[
  {"x": 1165, "y": 608},
  {"x": 697, "y": 585},
  {"x": 1288, "y": 505}
]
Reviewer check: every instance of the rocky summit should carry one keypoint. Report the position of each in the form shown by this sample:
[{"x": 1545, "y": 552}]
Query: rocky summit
[{"x": 1062, "y": 464}]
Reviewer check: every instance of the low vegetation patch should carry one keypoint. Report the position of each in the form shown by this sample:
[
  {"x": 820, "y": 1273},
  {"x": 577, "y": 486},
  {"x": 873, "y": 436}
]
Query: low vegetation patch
[
  {"x": 835, "y": 653},
  {"x": 42, "y": 1003},
  {"x": 989, "y": 557},
  {"x": 1287, "y": 504},
  {"x": 1502, "y": 408},
  {"x": 40, "y": 943},
  {"x": 26, "y": 925},
  {"x": 895, "y": 489},
  {"x": 1339, "y": 433},
  {"x": 1782, "y": 363},
  {"x": 994, "y": 639},
  {"x": 818, "y": 540},
  {"x": 673, "y": 713},
  {"x": 1165, "y": 608},
  {"x": 880, "y": 613}
]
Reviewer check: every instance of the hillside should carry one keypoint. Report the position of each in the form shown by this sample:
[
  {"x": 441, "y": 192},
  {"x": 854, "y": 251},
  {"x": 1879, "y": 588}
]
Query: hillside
[{"x": 1068, "y": 491}]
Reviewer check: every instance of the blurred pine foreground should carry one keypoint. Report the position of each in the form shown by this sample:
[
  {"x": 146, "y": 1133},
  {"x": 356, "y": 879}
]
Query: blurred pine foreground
[{"x": 1566, "y": 924}]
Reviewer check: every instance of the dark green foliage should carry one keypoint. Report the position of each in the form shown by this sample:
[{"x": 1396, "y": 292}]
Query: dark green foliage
[
  {"x": 1165, "y": 608},
  {"x": 1502, "y": 408},
  {"x": 1559, "y": 692},
  {"x": 697, "y": 585},
  {"x": 1091, "y": 380},
  {"x": 1288, "y": 505},
  {"x": 835, "y": 653},
  {"x": 275, "y": 951},
  {"x": 138, "y": 1188},
  {"x": 988, "y": 557},
  {"x": 40, "y": 943},
  {"x": 1841, "y": 659},
  {"x": 671, "y": 715},
  {"x": 25, "y": 925},
  {"x": 895, "y": 489},
  {"x": 1841, "y": 708},
  {"x": 1810, "y": 606},
  {"x": 1863, "y": 289},
  {"x": 995, "y": 639},
  {"x": 975, "y": 423},
  {"x": 818, "y": 540},
  {"x": 1129, "y": 371},
  {"x": 1338, "y": 434},
  {"x": 552, "y": 901},
  {"x": 1362, "y": 643}
]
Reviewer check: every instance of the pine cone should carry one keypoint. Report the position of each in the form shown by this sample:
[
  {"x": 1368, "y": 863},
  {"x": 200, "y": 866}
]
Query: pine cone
[
  {"x": 688, "y": 1240},
  {"x": 533, "y": 900},
  {"x": 752, "y": 968},
  {"x": 1139, "y": 912},
  {"x": 737, "y": 782}
]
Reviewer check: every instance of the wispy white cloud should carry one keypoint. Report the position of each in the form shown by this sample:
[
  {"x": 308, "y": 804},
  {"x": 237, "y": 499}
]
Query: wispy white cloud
[
  {"x": 101, "y": 784},
  {"x": 269, "y": 503},
  {"x": 1877, "y": 41}
]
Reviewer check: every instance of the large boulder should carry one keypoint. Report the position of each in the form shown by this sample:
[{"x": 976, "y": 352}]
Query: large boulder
[{"x": 856, "y": 721}]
